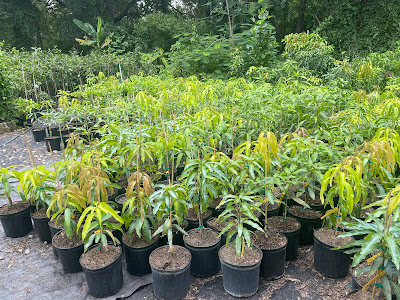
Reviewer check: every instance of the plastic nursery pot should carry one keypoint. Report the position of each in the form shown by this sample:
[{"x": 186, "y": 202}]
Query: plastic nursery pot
[
  {"x": 17, "y": 224},
  {"x": 106, "y": 281},
  {"x": 69, "y": 257},
  {"x": 113, "y": 196},
  {"x": 65, "y": 139},
  {"x": 170, "y": 285},
  {"x": 177, "y": 239},
  {"x": 39, "y": 134},
  {"x": 223, "y": 236},
  {"x": 293, "y": 241},
  {"x": 54, "y": 142},
  {"x": 273, "y": 262},
  {"x": 54, "y": 130},
  {"x": 137, "y": 259},
  {"x": 240, "y": 281},
  {"x": 330, "y": 263},
  {"x": 42, "y": 228},
  {"x": 306, "y": 235},
  {"x": 192, "y": 224},
  {"x": 205, "y": 261},
  {"x": 53, "y": 232}
]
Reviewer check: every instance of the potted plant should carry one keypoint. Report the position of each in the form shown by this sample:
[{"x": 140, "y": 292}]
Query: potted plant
[
  {"x": 101, "y": 263},
  {"x": 65, "y": 205},
  {"x": 377, "y": 254},
  {"x": 202, "y": 178},
  {"x": 240, "y": 261},
  {"x": 170, "y": 265},
  {"x": 345, "y": 181},
  {"x": 138, "y": 242},
  {"x": 14, "y": 216},
  {"x": 37, "y": 184}
]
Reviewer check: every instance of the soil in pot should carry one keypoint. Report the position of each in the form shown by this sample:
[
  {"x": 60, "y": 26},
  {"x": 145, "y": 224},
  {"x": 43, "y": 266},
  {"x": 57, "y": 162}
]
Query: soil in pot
[
  {"x": 54, "y": 142},
  {"x": 290, "y": 227},
  {"x": 192, "y": 218},
  {"x": 274, "y": 253},
  {"x": 39, "y": 134},
  {"x": 213, "y": 207},
  {"x": 120, "y": 200},
  {"x": 69, "y": 251},
  {"x": 99, "y": 257},
  {"x": 137, "y": 253},
  {"x": 203, "y": 245},
  {"x": 218, "y": 226},
  {"x": 240, "y": 276},
  {"x": 331, "y": 263},
  {"x": 170, "y": 272},
  {"x": 103, "y": 270},
  {"x": 16, "y": 219},
  {"x": 40, "y": 220},
  {"x": 309, "y": 220}
]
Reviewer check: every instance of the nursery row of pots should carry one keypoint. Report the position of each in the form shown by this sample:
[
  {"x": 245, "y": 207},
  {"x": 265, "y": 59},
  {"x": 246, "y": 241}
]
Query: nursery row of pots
[{"x": 204, "y": 260}]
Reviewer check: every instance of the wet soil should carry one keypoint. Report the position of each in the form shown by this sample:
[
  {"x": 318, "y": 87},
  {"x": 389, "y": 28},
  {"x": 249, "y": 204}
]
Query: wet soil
[
  {"x": 100, "y": 257},
  {"x": 251, "y": 256},
  {"x": 41, "y": 213},
  {"x": 194, "y": 238},
  {"x": 161, "y": 259}
]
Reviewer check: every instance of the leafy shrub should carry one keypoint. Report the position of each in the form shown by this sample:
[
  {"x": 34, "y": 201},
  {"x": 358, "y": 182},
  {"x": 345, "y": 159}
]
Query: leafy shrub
[{"x": 310, "y": 51}]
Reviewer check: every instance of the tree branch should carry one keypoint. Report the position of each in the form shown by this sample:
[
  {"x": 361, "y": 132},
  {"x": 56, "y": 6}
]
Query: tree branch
[{"x": 125, "y": 11}]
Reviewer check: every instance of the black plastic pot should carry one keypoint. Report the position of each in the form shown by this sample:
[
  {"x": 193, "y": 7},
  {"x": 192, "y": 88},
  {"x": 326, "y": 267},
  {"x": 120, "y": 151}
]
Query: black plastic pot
[
  {"x": 42, "y": 228},
  {"x": 113, "y": 196},
  {"x": 318, "y": 207},
  {"x": 55, "y": 143},
  {"x": 69, "y": 257},
  {"x": 293, "y": 243},
  {"x": 171, "y": 285},
  {"x": 192, "y": 224},
  {"x": 39, "y": 134},
  {"x": 54, "y": 131},
  {"x": 272, "y": 212},
  {"x": 65, "y": 139},
  {"x": 177, "y": 239},
  {"x": 137, "y": 259},
  {"x": 205, "y": 261},
  {"x": 17, "y": 224},
  {"x": 240, "y": 281},
  {"x": 306, "y": 235},
  {"x": 105, "y": 281},
  {"x": 330, "y": 263},
  {"x": 354, "y": 283},
  {"x": 273, "y": 263},
  {"x": 53, "y": 232}
]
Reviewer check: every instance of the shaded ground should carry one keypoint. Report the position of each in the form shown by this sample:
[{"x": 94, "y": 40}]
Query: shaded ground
[
  {"x": 16, "y": 152},
  {"x": 29, "y": 269}
]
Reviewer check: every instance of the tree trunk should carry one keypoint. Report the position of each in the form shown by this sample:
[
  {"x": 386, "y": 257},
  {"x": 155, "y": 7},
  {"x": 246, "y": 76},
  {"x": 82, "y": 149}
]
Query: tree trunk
[{"x": 300, "y": 17}]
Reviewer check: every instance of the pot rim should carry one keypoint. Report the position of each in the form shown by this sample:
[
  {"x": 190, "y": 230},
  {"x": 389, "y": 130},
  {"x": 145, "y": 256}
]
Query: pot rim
[
  {"x": 111, "y": 264},
  {"x": 52, "y": 242},
  {"x": 169, "y": 272},
  {"x": 17, "y": 212},
  {"x": 139, "y": 248},
  {"x": 201, "y": 247},
  {"x": 241, "y": 267}
]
